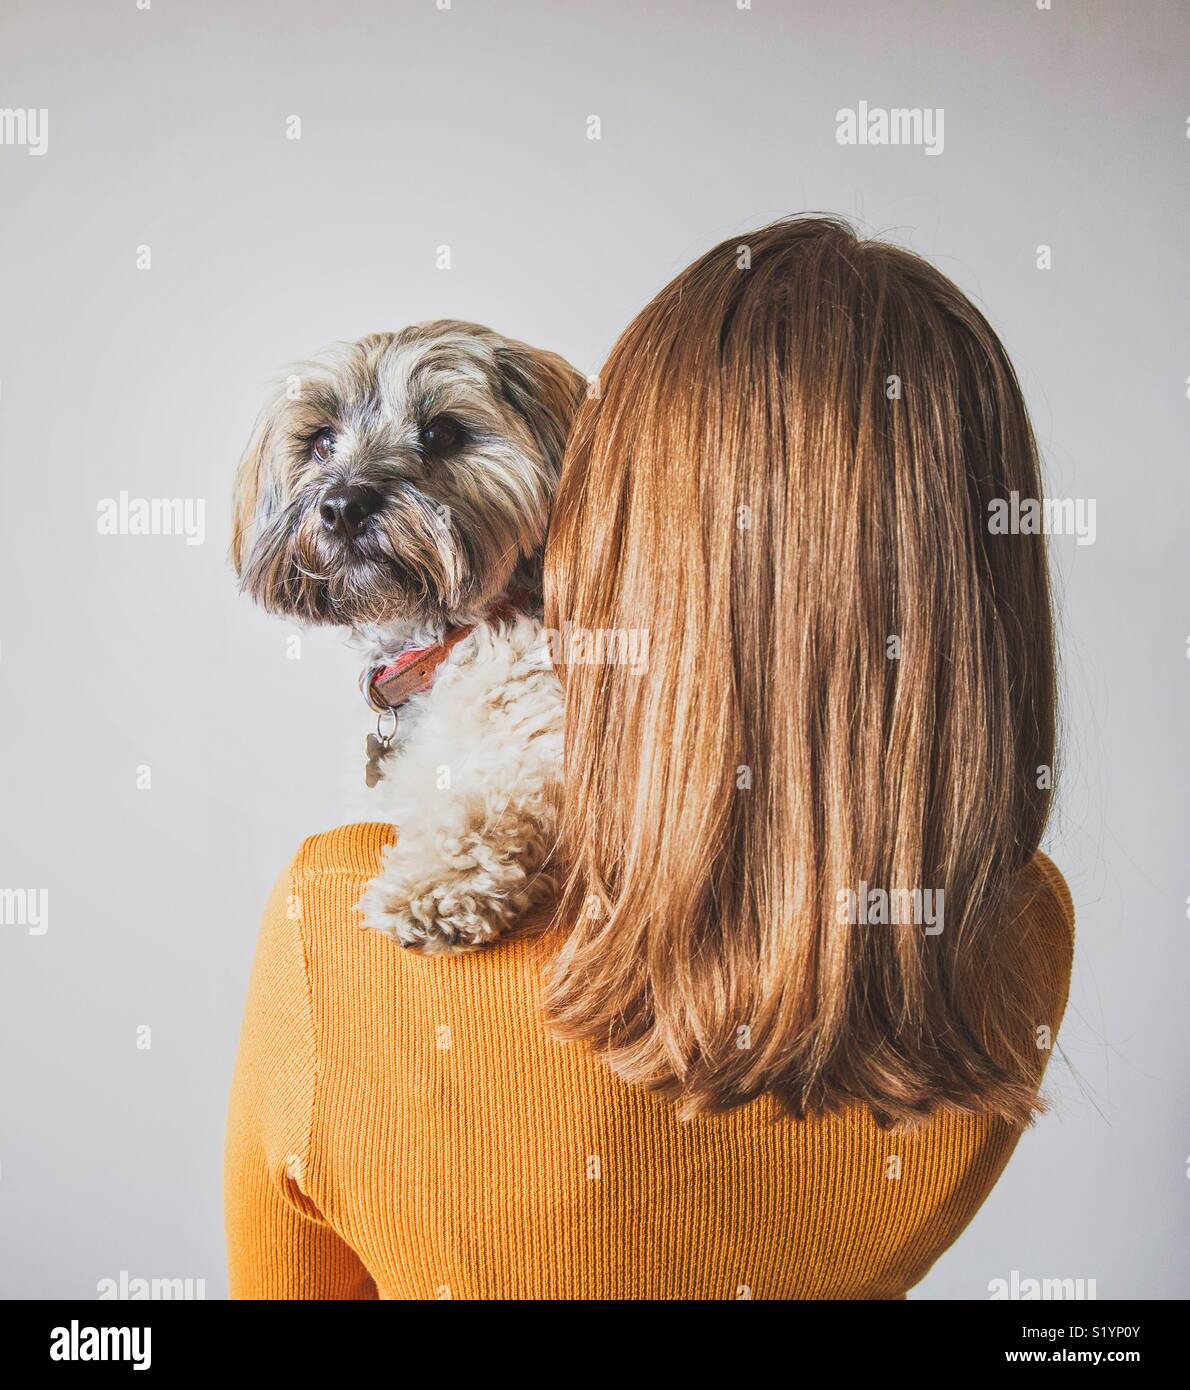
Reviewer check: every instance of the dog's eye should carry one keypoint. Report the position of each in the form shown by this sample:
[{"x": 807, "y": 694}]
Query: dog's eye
[
  {"x": 323, "y": 446},
  {"x": 441, "y": 435}
]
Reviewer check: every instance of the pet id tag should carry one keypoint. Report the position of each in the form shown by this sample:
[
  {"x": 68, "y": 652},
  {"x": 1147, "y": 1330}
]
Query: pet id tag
[{"x": 378, "y": 747}]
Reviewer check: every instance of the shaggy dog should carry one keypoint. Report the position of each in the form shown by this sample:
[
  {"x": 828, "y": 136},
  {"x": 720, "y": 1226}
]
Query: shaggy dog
[{"x": 400, "y": 487}]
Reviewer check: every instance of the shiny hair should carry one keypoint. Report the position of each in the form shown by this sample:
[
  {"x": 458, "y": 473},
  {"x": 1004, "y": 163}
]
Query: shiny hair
[{"x": 784, "y": 479}]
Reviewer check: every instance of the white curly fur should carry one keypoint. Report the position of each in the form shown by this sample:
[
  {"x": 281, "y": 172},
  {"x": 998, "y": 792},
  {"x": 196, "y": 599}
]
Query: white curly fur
[{"x": 472, "y": 789}]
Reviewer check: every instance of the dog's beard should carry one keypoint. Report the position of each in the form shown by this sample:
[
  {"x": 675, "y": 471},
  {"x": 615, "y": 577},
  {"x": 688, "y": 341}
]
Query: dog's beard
[{"x": 407, "y": 565}]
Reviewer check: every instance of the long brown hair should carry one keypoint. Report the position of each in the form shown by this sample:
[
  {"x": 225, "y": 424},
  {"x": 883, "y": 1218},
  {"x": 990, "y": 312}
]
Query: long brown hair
[{"x": 784, "y": 481}]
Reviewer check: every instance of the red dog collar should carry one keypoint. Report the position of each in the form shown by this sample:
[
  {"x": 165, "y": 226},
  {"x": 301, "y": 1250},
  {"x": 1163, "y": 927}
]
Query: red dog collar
[{"x": 389, "y": 687}]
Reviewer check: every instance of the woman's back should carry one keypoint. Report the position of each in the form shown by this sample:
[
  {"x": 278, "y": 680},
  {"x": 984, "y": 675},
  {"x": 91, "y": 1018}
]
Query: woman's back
[{"x": 404, "y": 1127}]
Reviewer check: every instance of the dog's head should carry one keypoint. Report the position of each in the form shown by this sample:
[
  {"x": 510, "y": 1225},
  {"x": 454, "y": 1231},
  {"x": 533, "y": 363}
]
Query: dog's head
[{"x": 404, "y": 478}]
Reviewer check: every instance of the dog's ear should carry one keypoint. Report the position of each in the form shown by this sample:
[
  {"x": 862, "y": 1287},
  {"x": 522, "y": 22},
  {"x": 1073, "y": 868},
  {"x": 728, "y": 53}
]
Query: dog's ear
[
  {"x": 545, "y": 390},
  {"x": 252, "y": 482}
]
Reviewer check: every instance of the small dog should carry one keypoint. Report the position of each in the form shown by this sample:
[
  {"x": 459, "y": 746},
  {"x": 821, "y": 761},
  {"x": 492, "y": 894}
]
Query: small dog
[{"x": 401, "y": 487}]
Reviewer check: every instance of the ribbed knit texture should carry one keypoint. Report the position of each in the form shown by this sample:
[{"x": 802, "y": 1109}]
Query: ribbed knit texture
[{"x": 403, "y": 1127}]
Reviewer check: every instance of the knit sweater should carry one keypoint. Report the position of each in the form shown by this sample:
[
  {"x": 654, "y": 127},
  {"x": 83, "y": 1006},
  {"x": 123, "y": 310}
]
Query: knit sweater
[{"x": 407, "y": 1127}]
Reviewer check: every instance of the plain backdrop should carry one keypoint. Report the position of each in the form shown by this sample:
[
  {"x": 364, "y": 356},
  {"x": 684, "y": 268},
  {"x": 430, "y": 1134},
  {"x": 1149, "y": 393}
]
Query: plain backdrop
[{"x": 421, "y": 128}]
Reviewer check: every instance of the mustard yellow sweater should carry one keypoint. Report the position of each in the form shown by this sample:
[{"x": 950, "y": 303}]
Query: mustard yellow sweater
[{"x": 404, "y": 1127}]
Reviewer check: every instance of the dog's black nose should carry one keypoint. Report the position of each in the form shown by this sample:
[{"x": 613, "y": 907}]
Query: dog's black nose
[{"x": 345, "y": 509}]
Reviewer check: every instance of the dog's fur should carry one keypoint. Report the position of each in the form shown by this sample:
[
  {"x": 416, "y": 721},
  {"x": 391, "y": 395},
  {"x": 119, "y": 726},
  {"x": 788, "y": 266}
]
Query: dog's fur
[{"x": 471, "y": 784}]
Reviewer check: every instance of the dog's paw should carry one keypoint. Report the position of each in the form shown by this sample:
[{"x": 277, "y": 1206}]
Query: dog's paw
[{"x": 461, "y": 907}]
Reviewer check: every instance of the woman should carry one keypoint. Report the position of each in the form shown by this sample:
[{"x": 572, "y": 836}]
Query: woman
[{"x": 791, "y": 1014}]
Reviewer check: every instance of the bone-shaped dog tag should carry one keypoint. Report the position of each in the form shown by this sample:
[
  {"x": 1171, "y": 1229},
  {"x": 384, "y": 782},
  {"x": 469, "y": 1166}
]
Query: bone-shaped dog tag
[
  {"x": 377, "y": 750},
  {"x": 379, "y": 746}
]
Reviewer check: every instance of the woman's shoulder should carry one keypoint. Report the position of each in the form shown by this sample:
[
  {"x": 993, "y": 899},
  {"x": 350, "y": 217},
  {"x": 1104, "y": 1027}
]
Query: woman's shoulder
[
  {"x": 351, "y": 850},
  {"x": 338, "y": 987},
  {"x": 1052, "y": 886},
  {"x": 1046, "y": 898},
  {"x": 326, "y": 878},
  {"x": 318, "y": 901},
  {"x": 311, "y": 915},
  {"x": 1042, "y": 928}
]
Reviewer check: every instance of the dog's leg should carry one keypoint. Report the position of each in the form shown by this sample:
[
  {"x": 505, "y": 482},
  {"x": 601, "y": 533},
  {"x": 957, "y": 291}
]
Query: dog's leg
[{"x": 474, "y": 799}]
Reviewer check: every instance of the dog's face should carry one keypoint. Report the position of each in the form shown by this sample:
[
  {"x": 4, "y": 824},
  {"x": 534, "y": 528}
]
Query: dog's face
[{"x": 403, "y": 479}]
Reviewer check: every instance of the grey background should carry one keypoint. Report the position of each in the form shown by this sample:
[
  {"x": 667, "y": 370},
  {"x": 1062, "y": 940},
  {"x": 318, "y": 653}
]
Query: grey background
[{"x": 468, "y": 127}]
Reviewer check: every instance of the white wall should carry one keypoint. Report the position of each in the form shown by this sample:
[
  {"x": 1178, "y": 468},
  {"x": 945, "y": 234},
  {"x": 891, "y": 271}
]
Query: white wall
[{"x": 468, "y": 127}]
